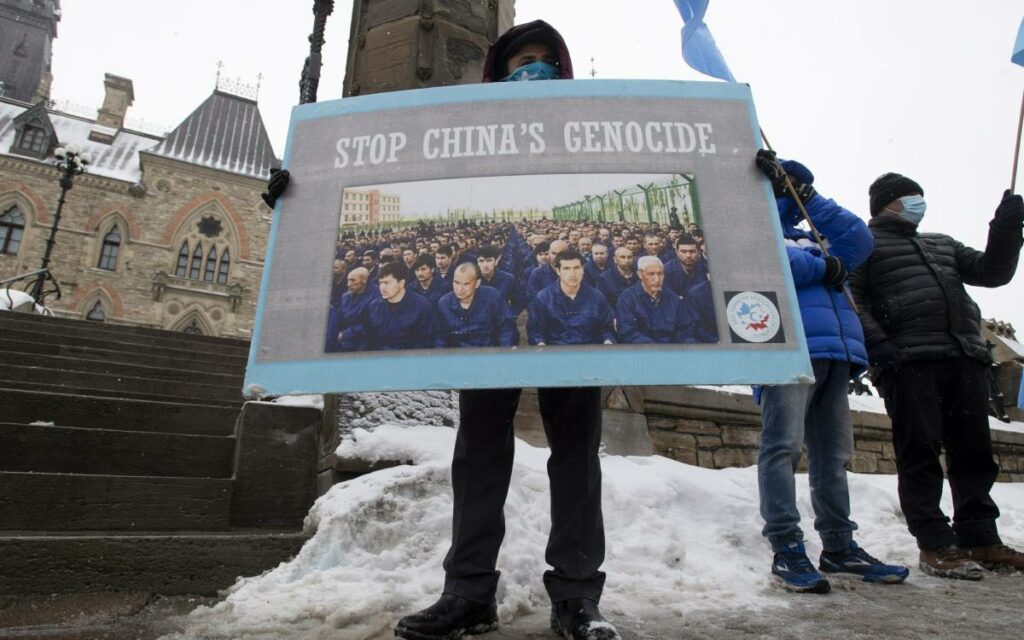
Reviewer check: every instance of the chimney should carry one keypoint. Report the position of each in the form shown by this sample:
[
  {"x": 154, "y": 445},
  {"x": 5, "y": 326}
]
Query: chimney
[{"x": 120, "y": 95}]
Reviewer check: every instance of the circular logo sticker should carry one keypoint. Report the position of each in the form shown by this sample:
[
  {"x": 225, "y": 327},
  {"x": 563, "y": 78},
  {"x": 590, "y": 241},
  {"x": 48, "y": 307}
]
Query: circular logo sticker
[{"x": 753, "y": 316}]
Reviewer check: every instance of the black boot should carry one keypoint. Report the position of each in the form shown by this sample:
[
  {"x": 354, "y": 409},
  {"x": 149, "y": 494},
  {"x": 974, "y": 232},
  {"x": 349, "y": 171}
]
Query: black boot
[
  {"x": 579, "y": 619},
  {"x": 449, "y": 618}
]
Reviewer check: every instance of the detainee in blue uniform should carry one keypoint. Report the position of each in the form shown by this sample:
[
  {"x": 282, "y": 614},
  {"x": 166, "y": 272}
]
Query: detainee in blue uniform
[
  {"x": 618, "y": 277},
  {"x": 399, "y": 319},
  {"x": 426, "y": 283},
  {"x": 488, "y": 261},
  {"x": 544, "y": 275},
  {"x": 473, "y": 315},
  {"x": 597, "y": 264},
  {"x": 570, "y": 311},
  {"x": 816, "y": 415},
  {"x": 345, "y": 331},
  {"x": 687, "y": 269},
  {"x": 650, "y": 313}
]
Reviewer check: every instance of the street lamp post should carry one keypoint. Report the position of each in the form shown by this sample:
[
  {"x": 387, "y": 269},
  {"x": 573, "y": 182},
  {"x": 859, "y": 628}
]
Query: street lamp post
[{"x": 70, "y": 162}]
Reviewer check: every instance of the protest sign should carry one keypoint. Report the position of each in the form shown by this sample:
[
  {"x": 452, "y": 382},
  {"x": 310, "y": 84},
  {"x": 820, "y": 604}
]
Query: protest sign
[{"x": 389, "y": 182}]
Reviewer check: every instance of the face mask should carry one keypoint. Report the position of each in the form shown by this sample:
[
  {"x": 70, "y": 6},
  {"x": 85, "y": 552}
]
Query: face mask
[
  {"x": 913, "y": 209},
  {"x": 538, "y": 70}
]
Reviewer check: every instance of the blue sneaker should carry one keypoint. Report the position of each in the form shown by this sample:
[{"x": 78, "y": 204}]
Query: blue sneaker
[
  {"x": 857, "y": 562},
  {"x": 797, "y": 573}
]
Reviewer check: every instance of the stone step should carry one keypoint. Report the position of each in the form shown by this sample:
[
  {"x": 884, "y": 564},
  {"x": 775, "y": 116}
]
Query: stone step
[
  {"x": 124, "y": 385},
  {"x": 87, "y": 365},
  {"x": 55, "y": 323},
  {"x": 25, "y": 406},
  {"x": 185, "y": 362},
  {"x": 85, "y": 389},
  {"x": 168, "y": 563},
  {"x": 75, "y": 502},
  {"x": 121, "y": 343},
  {"x": 55, "y": 449}
]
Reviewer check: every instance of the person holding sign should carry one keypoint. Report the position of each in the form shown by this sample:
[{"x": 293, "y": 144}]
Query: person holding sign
[
  {"x": 485, "y": 444},
  {"x": 818, "y": 414},
  {"x": 929, "y": 361}
]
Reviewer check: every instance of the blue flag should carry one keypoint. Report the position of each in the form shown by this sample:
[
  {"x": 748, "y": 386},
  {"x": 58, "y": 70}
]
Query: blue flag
[
  {"x": 699, "y": 48},
  {"x": 1018, "y": 47}
]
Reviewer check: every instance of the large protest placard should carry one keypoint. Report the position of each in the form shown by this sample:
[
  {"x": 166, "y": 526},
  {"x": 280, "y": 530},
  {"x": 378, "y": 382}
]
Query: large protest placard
[{"x": 558, "y": 233}]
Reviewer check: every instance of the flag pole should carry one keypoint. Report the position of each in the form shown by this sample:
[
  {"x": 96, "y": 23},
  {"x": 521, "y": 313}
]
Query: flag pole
[
  {"x": 1016, "y": 152},
  {"x": 807, "y": 217}
]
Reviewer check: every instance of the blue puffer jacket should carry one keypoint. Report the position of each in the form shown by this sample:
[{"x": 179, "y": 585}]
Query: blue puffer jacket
[{"x": 832, "y": 328}]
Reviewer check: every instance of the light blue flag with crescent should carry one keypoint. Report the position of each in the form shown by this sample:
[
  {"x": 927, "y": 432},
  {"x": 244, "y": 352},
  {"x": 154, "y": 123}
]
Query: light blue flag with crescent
[
  {"x": 1018, "y": 47},
  {"x": 699, "y": 48}
]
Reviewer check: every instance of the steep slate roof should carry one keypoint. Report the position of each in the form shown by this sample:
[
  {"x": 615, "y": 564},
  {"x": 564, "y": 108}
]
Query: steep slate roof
[{"x": 226, "y": 132}]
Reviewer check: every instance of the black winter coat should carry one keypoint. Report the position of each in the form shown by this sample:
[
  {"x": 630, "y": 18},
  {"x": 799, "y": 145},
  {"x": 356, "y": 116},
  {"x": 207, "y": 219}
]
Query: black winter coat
[{"x": 911, "y": 295}]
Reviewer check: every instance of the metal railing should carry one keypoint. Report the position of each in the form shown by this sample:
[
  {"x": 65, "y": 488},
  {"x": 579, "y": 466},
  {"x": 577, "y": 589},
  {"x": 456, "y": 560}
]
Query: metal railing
[{"x": 28, "y": 280}]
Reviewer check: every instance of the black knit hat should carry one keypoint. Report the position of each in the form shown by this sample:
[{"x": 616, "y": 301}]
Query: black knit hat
[{"x": 889, "y": 187}]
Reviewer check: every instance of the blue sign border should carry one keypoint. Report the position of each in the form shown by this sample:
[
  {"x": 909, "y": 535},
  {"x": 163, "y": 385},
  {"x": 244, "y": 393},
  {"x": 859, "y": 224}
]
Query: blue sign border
[{"x": 528, "y": 366}]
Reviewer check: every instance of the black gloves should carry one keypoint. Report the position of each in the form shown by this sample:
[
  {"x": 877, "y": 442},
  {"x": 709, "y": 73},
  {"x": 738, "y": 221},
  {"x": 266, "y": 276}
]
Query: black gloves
[
  {"x": 1010, "y": 212},
  {"x": 275, "y": 186},
  {"x": 770, "y": 167},
  {"x": 835, "y": 273}
]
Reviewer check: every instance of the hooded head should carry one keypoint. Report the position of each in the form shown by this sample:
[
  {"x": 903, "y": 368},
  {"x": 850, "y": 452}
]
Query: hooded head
[{"x": 510, "y": 42}]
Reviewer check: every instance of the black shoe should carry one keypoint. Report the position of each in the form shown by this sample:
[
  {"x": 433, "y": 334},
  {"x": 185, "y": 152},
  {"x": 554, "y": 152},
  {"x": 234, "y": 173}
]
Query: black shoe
[
  {"x": 579, "y": 619},
  {"x": 449, "y": 618}
]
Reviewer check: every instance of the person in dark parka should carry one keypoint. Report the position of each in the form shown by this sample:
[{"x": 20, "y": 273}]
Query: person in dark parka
[
  {"x": 484, "y": 448},
  {"x": 473, "y": 315},
  {"x": 929, "y": 361}
]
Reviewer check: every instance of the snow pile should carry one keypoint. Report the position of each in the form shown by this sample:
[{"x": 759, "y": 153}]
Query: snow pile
[
  {"x": 679, "y": 538},
  {"x": 13, "y": 299},
  {"x": 367, "y": 410}
]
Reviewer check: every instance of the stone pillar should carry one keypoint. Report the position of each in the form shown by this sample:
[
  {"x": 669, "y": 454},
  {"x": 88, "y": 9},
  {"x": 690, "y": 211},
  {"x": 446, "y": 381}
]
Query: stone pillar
[{"x": 412, "y": 44}]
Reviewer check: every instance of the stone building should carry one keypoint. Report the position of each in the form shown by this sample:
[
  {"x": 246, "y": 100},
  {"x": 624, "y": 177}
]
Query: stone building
[
  {"x": 27, "y": 30},
  {"x": 162, "y": 231}
]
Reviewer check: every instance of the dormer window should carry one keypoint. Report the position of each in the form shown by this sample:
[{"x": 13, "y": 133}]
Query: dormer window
[
  {"x": 32, "y": 140},
  {"x": 35, "y": 136}
]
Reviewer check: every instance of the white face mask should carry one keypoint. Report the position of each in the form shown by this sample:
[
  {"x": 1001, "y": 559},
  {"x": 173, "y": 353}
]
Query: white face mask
[{"x": 913, "y": 209}]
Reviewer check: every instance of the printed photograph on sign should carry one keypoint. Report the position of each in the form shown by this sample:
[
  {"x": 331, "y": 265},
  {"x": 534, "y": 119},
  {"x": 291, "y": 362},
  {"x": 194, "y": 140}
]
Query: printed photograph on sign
[{"x": 510, "y": 261}]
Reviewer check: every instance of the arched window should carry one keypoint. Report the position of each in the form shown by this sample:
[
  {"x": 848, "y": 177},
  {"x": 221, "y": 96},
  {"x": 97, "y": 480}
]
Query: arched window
[
  {"x": 111, "y": 247},
  {"x": 225, "y": 266},
  {"x": 96, "y": 313},
  {"x": 182, "y": 269},
  {"x": 12, "y": 226},
  {"x": 211, "y": 265},
  {"x": 197, "y": 262}
]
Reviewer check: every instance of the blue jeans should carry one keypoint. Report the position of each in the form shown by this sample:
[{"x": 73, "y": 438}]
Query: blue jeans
[{"x": 817, "y": 415}]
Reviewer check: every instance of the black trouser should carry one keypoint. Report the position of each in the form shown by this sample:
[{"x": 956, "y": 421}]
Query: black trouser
[
  {"x": 482, "y": 469},
  {"x": 937, "y": 404}
]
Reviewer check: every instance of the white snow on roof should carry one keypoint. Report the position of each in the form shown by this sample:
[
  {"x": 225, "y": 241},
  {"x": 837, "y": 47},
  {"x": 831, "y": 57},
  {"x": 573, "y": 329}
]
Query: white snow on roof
[{"x": 119, "y": 160}]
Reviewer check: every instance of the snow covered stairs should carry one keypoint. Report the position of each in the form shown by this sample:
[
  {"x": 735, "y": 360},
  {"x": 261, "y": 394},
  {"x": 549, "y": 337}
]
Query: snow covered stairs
[{"x": 129, "y": 463}]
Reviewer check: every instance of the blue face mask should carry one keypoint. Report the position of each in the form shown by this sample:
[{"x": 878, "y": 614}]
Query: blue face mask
[
  {"x": 538, "y": 70},
  {"x": 913, "y": 209}
]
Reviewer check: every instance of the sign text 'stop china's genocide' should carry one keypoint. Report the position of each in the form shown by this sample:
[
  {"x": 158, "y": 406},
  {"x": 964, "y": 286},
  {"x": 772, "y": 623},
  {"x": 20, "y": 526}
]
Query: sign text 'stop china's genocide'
[{"x": 576, "y": 233}]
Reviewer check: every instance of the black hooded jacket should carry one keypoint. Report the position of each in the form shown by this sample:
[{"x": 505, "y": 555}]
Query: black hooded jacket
[
  {"x": 515, "y": 38},
  {"x": 911, "y": 290}
]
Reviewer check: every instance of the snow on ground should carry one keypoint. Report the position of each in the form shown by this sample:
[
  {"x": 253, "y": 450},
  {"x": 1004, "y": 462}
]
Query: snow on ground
[{"x": 679, "y": 537}]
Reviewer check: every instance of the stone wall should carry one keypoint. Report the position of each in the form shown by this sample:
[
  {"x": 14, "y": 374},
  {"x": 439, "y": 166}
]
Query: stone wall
[{"x": 716, "y": 429}]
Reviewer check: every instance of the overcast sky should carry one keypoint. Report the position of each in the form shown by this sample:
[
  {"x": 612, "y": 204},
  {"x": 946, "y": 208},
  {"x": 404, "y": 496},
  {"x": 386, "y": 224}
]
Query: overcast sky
[{"x": 853, "y": 89}]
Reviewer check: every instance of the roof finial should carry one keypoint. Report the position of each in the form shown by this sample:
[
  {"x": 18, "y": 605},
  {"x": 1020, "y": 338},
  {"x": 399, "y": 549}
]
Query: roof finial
[
  {"x": 259, "y": 84},
  {"x": 593, "y": 71},
  {"x": 220, "y": 65}
]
